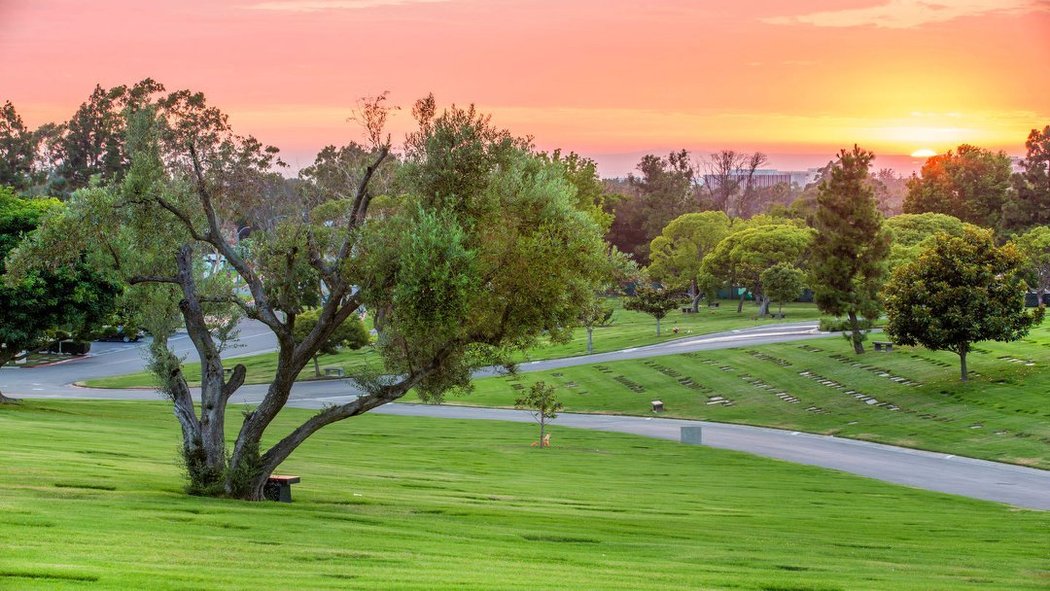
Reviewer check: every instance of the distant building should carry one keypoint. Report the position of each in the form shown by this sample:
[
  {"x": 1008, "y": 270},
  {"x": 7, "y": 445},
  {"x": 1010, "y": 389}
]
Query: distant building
[{"x": 766, "y": 177}]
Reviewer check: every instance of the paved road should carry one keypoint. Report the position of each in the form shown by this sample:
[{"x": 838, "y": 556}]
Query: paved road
[{"x": 1024, "y": 487}]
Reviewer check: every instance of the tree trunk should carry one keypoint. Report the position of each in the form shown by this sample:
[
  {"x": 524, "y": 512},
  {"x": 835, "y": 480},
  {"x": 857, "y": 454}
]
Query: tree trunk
[
  {"x": 963, "y": 350},
  {"x": 590, "y": 340},
  {"x": 657, "y": 327},
  {"x": 855, "y": 335},
  {"x": 694, "y": 292},
  {"x": 317, "y": 367},
  {"x": 6, "y": 400},
  {"x": 740, "y": 304},
  {"x": 543, "y": 425},
  {"x": 763, "y": 306}
]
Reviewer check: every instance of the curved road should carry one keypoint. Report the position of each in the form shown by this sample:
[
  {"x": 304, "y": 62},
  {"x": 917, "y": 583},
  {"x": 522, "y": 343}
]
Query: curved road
[{"x": 1006, "y": 483}]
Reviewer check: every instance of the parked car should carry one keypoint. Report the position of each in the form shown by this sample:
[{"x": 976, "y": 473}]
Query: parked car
[{"x": 122, "y": 334}]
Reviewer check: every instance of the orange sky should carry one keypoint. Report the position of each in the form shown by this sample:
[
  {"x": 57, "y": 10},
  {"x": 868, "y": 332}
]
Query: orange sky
[{"x": 610, "y": 79}]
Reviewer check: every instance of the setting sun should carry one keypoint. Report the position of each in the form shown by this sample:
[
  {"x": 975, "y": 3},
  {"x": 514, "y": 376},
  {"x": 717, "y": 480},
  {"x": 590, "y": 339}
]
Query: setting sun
[{"x": 923, "y": 153}]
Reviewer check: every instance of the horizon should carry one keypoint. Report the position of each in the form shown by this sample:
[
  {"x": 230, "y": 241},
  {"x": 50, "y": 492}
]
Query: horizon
[{"x": 610, "y": 81}]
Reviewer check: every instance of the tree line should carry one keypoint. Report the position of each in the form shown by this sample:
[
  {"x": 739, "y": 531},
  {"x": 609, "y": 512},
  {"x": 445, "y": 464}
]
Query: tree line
[{"x": 952, "y": 271}]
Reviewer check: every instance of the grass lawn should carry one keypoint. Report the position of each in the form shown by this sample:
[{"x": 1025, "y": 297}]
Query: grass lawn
[
  {"x": 628, "y": 329},
  {"x": 92, "y": 501},
  {"x": 910, "y": 397}
]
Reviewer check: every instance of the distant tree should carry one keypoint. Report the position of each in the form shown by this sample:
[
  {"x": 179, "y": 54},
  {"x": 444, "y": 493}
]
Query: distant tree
[
  {"x": 971, "y": 184},
  {"x": 729, "y": 181},
  {"x": 69, "y": 296},
  {"x": 1029, "y": 204},
  {"x": 92, "y": 141},
  {"x": 351, "y": 334},
  {"x": 595, "y": 314},
  {"x": 850, "y": 248},
  {"x": 18, "y": 146},
  {"x": 665, "y": 190},
  {"x": 1035, "y": 247},
  {"x": 655, "y": 302},
  {"x": 890, "y": 189},
  {"x": 676, "y": 254},
  {"x": 783, "y": 282},
  {"x": 542, "y": 401},
  {"x": 960, "y": 291},
  {"x": 741, "y": 257}
]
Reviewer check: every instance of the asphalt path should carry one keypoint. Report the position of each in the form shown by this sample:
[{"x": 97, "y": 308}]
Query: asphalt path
[{"x": 1005, "y": 483}]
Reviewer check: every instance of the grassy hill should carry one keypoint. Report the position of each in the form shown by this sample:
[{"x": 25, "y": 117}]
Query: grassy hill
[
  {"x": 92, "y": 501},
  {"x": 910, "y": 397}
]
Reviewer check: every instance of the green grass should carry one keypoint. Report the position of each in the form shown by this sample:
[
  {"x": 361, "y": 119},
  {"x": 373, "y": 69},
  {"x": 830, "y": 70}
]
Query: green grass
[
  {"x": 1002, "y": 413},
  {"x": 92, "y": 501},
  {"x": 628, "y": 329}
]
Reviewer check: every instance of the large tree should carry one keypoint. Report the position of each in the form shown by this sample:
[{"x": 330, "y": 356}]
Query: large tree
[
  {"x": 971, "y": 184},
  {"x": 741, "y": 257},
  {"x": 850, "y": 248},
  {"x": 910, "y": 233},
  {"x": 960, "y": 291},
  {"x": 677, "y": 252},
  {"x": 482, "y": 251},
  {"x": 1029, "y": 205},
  {"x": 70, "y": 296}
]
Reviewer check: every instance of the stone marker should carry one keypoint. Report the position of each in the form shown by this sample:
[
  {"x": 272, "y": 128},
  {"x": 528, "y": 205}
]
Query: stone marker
[{"x": 691, "y": 435}]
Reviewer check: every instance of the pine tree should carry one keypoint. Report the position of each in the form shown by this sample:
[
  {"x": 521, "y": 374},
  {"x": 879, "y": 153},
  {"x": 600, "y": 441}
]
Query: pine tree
[{"x": 851, "y": 246}]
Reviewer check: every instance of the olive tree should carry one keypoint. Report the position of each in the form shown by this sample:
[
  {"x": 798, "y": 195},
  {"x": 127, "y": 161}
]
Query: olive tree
[{"x": 467, "y": 252}]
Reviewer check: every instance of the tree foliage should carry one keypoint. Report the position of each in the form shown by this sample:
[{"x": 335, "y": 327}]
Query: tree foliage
[
  {"x": 741, "y": 257},
  {"x": 351, "y": 334},
  {"x": 971, "y": 184},
  {"x": 783, "y": 282},
  {"x": 960, "y": 291},
  {"x": 910, "y": 233},
  {"x": 654, "y": 301},
  {"x": 1030, "y": 203},
  {"x": 676, "y": 254},
  {"x": 18, "y": 146},
  {"x": 664, "y": 191},
  {"x": 70, "y": 296},
  {"x": 1035, "y": 247},
  {"x": 850, "y": 245}
]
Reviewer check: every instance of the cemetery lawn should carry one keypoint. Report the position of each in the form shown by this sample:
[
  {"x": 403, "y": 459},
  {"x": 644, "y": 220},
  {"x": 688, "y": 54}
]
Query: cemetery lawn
[
  {"x": 92, "y": 500},
  {"x": 628, "y": 329},
  {"x": 910, "y": 397}
]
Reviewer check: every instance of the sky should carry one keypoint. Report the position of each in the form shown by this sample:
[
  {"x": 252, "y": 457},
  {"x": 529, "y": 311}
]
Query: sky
[{"x": 609, "y": 79}]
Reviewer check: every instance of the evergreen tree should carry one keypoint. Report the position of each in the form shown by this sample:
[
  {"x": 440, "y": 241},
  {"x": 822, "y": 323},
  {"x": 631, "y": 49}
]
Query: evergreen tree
[{"x": 851, "y": 246}]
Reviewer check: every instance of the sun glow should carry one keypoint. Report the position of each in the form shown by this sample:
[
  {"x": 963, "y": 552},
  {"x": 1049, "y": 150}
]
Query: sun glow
[{"x": 923, "y": 153}]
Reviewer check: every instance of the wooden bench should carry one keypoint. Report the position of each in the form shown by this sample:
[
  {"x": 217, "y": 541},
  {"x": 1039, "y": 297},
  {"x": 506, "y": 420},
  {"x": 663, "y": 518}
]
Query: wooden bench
[
  {"x": 334, "y": 372},
  {"x": 883, "y": 345},
  {"x": 279, "y": 488},
  {"x": 687, "y": 310}
]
